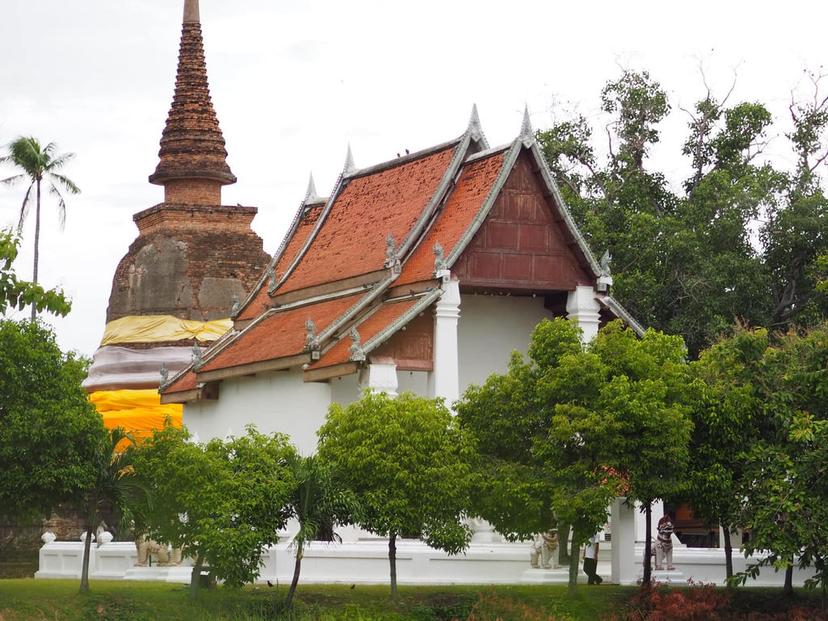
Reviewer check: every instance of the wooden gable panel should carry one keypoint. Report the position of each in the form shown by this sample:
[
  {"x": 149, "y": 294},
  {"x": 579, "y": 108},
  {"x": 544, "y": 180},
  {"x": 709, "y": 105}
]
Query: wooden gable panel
[
  {"x": 412, "y": 348},
  {"x": 521, "y": 245}
]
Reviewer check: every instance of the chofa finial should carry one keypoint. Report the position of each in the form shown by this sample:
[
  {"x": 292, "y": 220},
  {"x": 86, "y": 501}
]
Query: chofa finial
[
  {"x": 527, "y": 134},
  {"x": 311, "y": 195},
  {"x": 475, "y": 128},
  {"x": 349, "y": 162}
]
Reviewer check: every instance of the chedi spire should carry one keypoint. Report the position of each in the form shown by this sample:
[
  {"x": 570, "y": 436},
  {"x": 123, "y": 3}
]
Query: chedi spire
[{"x": 193, "y": 160}]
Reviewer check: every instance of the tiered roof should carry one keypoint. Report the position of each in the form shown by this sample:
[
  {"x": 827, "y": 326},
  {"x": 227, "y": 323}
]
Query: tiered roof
[{"x": 360, "y": 265}]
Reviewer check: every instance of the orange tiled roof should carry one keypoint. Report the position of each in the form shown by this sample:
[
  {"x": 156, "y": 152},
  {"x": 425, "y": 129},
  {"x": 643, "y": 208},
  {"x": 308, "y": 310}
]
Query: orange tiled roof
[
  {"x": 368, "y": 328},
  {"x": 184, "y": 383},
  {"x": 464, "y": 202},
  {"x": 280, "y": 334},
  {"x": 352, "y": 239},
  {"x": 294, "y": 244}
]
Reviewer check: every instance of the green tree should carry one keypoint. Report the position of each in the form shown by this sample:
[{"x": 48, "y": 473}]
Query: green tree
[
  {"x": 685, "y": 260},
  {"x": 406, "y": 462},
  {"x": 16, "y": 293},
  {"x": 726, "y": 409},
  {"x": 784, "y": 491},
  {"x": 49, "y": 432},
  {"x": 223, "y": 501},
  {"x": 318, "y": 505},
  {"x": 560, "y": 434},
  {"x": 113, "y": 489},
  {"x": 39, "y": 165}
]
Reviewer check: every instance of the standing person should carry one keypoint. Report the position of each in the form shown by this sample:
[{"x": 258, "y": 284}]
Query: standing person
[{"x": 591, "y": 560}]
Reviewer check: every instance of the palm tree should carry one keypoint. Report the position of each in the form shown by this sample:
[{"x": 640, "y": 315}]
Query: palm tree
[
  {"x": 39, "y": 165},
  {"x": 318, "y": 506},
  {"x": 115, "y": 487}
]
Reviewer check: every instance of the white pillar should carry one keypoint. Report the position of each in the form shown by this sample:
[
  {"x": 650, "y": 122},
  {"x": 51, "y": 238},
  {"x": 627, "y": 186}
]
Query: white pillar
[
  {"x": 622, "y": 524},
  {"x": 583, "y": 309},
  {"x": 380, "y": 377},
  {"x": 657, "y": 512},
  {"x": 444, "y": 379}
]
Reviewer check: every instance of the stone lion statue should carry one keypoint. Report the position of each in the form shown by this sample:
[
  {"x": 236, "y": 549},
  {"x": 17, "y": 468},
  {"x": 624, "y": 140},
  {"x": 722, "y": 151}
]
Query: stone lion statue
[{"x": 147, "y": 548}]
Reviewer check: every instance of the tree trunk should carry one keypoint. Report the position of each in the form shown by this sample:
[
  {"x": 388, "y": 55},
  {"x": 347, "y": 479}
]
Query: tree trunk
[
  {"x": 787, "y": 590},
  {"x": 195, "y": 576},
  {"x": 36, "y": 246},
  {"x": 392, "y": 559},
  {"x": 563, "y": 544},
  {"x": 574, "y": 562},
  {"x": 297, "y": 567},
  {"x": 87, "y": 546},
  {"x": 648, "y": 547},
  {"x": 728, "y": 548}
]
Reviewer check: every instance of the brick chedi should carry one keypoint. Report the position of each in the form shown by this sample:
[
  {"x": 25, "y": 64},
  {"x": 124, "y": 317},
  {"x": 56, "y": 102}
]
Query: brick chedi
[{"x": 192, "y": 261}]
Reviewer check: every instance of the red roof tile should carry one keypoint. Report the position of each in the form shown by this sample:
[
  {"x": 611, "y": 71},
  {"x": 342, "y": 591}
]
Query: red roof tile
[
  {"x": 375, "y": 323},
  {"x": 464, "y": 202},
  {"x": 352, "y": 240},
  {"x": 281, "y": 334},
  {"x": 261, "y": 302},
  {"x": 184, "y": 383}
]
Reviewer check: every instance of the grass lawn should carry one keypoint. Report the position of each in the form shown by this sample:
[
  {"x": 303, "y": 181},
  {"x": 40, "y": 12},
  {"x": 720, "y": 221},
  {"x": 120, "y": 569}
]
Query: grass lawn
[{"x": 59, "y": 600}]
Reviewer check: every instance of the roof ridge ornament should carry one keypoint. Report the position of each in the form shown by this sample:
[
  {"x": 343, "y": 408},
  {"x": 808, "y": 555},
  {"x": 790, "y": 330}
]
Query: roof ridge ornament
[
  {"x": 350, "y": 167},
  {"x": 311, "y": 337},
  {"x": 475, "y": 128},
  {"x": 439, "y": 258},
  {"x": 165, "y": 375},
  {"x": 527, "y": 134},
  {"x": 357, "y": 352},
  {"x": 391, "y": 258},
  {"x": 198, "y": 361},
  {"x": 273, "y": 281},
  {"x": 605, "y": 277},
  {"x": 236, "y": 306},
  {"x": 311, "y": 195}
]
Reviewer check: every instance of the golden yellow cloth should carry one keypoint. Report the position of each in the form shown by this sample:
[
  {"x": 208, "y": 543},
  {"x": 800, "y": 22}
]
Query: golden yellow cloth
[
  {"x": 140, "y": 412},
  {"x": 162, "y": 329}
]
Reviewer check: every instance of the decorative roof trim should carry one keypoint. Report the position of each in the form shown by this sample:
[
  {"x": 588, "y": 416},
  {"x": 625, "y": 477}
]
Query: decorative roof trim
[
  {"x": 310, "y": 194},
  {"x": 622, "y": 313},
  {"x": 527, "y": 134}
]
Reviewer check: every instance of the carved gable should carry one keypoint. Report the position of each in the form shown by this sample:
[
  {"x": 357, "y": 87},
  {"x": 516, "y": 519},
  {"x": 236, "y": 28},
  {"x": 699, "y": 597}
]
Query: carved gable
[{"x": 522, "y": 246}]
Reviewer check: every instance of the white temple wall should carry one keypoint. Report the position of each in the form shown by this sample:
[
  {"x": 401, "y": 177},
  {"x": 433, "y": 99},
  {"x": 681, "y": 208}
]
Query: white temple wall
[
  {"x": 273, "y": 402},
  {"x": 491, "y": 328}
]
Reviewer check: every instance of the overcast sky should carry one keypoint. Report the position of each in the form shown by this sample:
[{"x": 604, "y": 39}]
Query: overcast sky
[{"x": 293, "y": 81}]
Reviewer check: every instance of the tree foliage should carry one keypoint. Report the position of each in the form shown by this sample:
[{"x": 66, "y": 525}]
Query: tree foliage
[
  {"x": 48, "y": 430},
  {"x": 562, "y": 433},
  {"x": 687, "y": 261},
  {"x": 224, "y": 501},
  {"x": 16, "y": 293},
  {"x": 407, "y": 462}
]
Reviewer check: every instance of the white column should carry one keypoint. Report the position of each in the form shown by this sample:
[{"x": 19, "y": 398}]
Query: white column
[
  {"x": 380, "y": 377},
  {"x": 583, "y": 309},
  {"x": 444, "y": 379},
  {"x": 622, "y": 524}
]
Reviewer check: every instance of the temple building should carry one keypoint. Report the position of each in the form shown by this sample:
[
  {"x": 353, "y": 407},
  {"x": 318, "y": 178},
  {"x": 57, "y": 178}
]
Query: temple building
[
  {"x": 193, "y": 259},
  {"x": 422, "y": 273}
]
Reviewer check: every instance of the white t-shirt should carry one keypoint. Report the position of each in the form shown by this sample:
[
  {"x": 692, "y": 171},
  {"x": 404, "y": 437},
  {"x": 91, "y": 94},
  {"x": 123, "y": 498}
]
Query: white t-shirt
[{"x": 592, "y": 544}]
